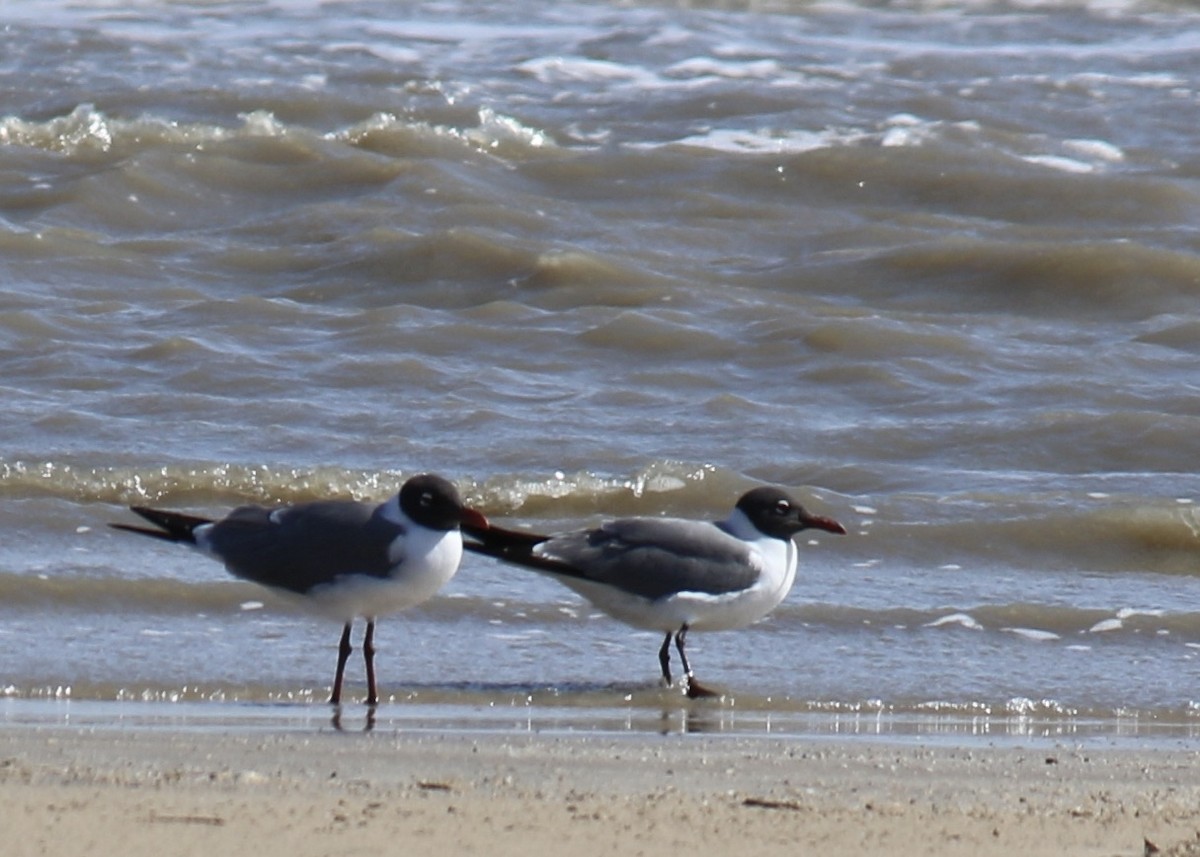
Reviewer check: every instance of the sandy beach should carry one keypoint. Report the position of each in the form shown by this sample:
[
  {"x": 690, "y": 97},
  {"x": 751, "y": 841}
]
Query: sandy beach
[{"x": 72, "y": 790}]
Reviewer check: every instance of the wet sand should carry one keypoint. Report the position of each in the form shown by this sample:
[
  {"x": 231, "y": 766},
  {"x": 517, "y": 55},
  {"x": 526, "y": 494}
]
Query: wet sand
[{"x": 70, "y": 789}]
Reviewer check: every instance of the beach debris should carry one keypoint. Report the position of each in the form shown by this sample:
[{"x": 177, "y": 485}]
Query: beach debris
[
  {"x": 767, "y": 803},
  {"x": 428, "y": 786},
  {"x": 210, "y": 820}
]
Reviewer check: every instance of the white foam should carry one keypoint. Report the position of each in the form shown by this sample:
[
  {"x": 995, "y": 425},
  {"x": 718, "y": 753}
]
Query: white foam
[
  {"x": 963, "y": 619},
  {"x": 904, "y": 129},
  {"x": 387, "y": 51},
  {"x": 82, "y": 128},
  {"x": 1060, "y": 163},
  {"x": 709, "y": 67},
  {"x": 261, "y": 123},
  {"x": 744, "y": 141},
  {"x": 1032, "y": 634},
  {"x": 1024, "y": 706},
  {"x": 495, "y": 128},
  {"x": 1096, "y": 150},
  {"x": 1127, "y": 612},
  {"x": 1106, "y": 625},
  {"x": 558, "y": 69}
]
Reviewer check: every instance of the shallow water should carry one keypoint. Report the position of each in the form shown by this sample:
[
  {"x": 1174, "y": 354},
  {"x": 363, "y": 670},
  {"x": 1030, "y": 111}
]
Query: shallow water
[{"x": 932, "y": 266}]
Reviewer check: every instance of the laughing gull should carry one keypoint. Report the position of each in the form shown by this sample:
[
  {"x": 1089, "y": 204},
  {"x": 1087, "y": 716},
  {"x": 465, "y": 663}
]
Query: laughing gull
[
  {"x": 669, "y": 574},
  {"x": 345, "y": 559}
]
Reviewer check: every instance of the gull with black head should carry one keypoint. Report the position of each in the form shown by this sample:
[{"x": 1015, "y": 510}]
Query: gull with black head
[
  {"x": 341, "y": 558},
  {"x": 672, "y": 575}
]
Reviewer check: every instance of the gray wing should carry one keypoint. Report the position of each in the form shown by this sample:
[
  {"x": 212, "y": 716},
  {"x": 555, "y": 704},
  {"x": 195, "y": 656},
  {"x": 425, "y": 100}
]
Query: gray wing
[
  {"x": 299, "y": 547},
  {"x": 655, "y": 557}
]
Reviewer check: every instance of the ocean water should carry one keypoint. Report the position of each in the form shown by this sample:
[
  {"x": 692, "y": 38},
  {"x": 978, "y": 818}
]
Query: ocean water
[{"x": 933, "y": 266}]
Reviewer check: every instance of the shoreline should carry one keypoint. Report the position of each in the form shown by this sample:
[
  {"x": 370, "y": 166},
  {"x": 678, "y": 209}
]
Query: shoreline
[
  {"x": 643, "y": 713},
  {"x": 151, "y": 787}
]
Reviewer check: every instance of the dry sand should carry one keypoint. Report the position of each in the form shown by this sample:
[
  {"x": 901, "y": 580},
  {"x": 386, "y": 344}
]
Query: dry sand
[{"x": 177, "y": 791}]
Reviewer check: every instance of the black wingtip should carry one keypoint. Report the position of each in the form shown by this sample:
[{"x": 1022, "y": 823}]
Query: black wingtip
[
  {"x": 516, "y": 547},
  {"x": 173, "y": 526},
  {"x": 144, "y": 531}
]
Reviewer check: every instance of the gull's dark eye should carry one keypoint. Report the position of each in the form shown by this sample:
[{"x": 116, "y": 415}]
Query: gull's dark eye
[
  {"x": 783, "y": 507},
  {"x": 426, "y": 499}
]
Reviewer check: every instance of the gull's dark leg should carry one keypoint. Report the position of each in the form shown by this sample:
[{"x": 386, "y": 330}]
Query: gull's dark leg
[
  {"x": 344, "y": 650},
  {"x": 680, "y": 642},
  {"x": 695, "y": 690},
  {"x": 369, "y": 659},
  {"x": 664, "y": 658}
]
